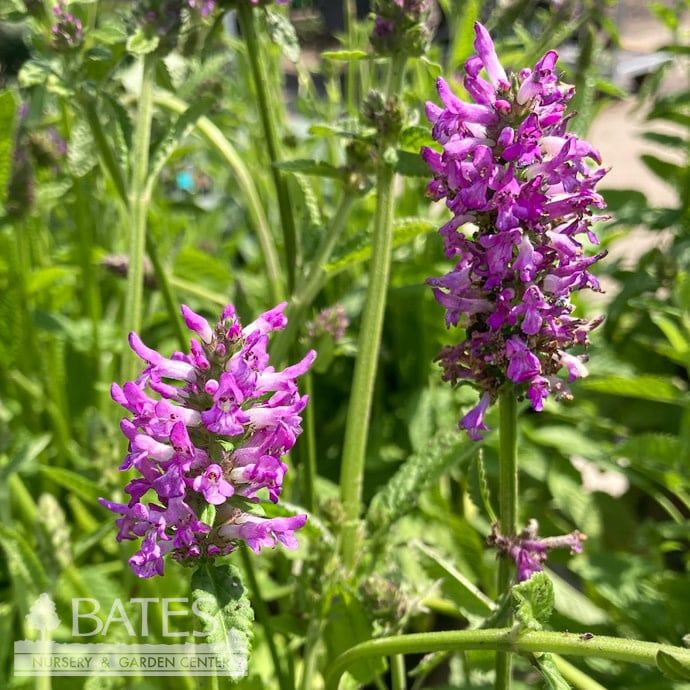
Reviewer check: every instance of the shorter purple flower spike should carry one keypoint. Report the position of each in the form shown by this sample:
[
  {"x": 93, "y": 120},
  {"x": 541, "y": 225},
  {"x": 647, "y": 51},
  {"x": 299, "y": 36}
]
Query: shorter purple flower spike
[
  {"x": 67, "y": 31},
  {"x": 529, "y": 551},
  {"x": 216, "y": 438}
]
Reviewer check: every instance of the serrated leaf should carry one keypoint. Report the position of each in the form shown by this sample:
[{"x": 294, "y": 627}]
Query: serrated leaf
[
  {"x": 551, "y": 674},
  {"x": 533, "y": 601},
  {"x": 404, "y": 231},
  {"x": 643, "y": 387},
  {"x": 672, "y": 666},
  {"x": 282, "y": 32},
  {"x": 141, "y": 44},
  {"x": 34, "y": 73},
  {"x": 344, "y": 55},
  {"x": 307, "y": 166},
  {"x": 8, "y": 110},
  {"x": 400, "y": 495},
  {"x": 220, "y": 596},
  {"x": 411, "y": 165}
]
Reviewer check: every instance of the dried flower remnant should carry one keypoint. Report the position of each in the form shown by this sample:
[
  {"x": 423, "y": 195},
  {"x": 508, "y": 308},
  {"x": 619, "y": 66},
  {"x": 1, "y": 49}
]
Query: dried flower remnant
[
  {"x": 207, "y": 436},
  {"x": 509, "y": 167},
  {"x": 529, "y": 551},
  {"x": 67, "y": 31}
]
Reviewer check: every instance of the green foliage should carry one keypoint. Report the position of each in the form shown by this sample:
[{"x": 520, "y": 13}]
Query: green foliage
[{"x": 533, "y": 601}]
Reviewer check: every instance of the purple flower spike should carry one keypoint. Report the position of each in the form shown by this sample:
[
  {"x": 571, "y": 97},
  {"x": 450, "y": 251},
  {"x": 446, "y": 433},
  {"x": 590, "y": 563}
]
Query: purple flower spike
[
  {"x": 507, "y": 165},
  {"x": 529, "y": 551},
  {"x": 215, "y": 439}
]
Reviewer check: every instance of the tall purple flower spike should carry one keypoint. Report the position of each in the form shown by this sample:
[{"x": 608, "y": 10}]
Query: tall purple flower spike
[
  {"x": 508, "y": 166},
  {"x": 529, "y": 551},
  {"x": 208, "y": 429}
]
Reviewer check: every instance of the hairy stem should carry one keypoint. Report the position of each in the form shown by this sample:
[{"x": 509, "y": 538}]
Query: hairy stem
[
  {"x": 246, "y": 17},
  {"x": 507, "y": 508},
  {"x": 138, "y": 209},
  {"x": 368, "y": 345},
  {"x": 505, "y": 640}
]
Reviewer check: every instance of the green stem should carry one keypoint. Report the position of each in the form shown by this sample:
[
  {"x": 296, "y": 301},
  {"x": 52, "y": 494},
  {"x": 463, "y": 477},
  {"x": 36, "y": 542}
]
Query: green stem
[
  {"x": 311, "y": 653},
  {"x": 350, "y": 11},
  {"x": 247, "y": 19},
  {"x": 309, "y": 288},
  {"x": 507, "y": 508},
  {"x": 398, "y": 673},
  {"x": 577, "y": 678},
  {"x": 217, "y": 140},
  {"x": 138, "y": 208},
  {"x": 505, "y": 640},
  {"x": 264, "y": 618},
  {"x": 164, "y": 285},
  {"x": 368, "y": 345},
  {"x": 309, "y": 467}
]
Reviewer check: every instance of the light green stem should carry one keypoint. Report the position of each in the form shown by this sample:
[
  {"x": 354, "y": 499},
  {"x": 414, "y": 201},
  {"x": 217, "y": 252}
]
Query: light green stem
[
  {"x": 308, "y": 470},
  {"x": 398, "y": 675},
  {"x": 368, "y": 345},
  {"x": 247, "y": 18},
  {"x": 308, "y": 289},
  {"x": 350, "y": 12},
  {"x": 507, "y": 508},
  {"x": 505, "y": 640},
  {"x": 138, "y": 208},
  {"x": 217, "y": 140}
]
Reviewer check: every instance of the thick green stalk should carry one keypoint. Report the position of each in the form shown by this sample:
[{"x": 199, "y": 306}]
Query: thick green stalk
[
  {"x": 138, "y": 208},
  {"x": 246, "y": 17},
  {"x": 507, "y": 508},
  {"x": 308, "y": 470},
  {"x": 368, "y": 345},
  {"x": 398, "y": 674},
  {"x": 217, "y": 140},
  {"x": 308, "y": 289},
  {"x": 505, "y": 640},
  {"x": 263, "y": 617}
]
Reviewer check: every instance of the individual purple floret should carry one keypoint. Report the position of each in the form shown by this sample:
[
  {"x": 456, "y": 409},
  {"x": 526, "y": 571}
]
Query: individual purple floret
[
  {"x": 207, "y": 434},
  {"x": 67, "y": 31},
  {"x": 521, "y": 190},
  {"x": 529, "y": 551}
]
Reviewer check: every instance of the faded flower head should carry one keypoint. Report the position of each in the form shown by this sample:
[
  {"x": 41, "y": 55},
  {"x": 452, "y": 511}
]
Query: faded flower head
[
  {"x": 331, "y": 321},
  {"x": 207, "y": 435},
  {"x": 508, "y": 167},
  {"x": 400, "y": 27},
  {"x": 67, "y": 30},
  {"x": 529, "y": 551}
]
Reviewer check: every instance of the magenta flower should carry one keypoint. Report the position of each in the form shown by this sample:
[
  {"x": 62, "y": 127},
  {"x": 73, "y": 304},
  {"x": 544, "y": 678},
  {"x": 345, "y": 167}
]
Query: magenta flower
[
  {"x": 67, "y": 31},
  {"x": 529, "y": 551},
  {"x": 208, "y": 428},
  {"x": 508, "y": 166}
]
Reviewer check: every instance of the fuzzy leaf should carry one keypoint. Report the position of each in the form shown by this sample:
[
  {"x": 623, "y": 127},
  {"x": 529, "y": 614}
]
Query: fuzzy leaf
[
  {"x": 220, "y": 596},
  {"x": 533, "y": 601}
]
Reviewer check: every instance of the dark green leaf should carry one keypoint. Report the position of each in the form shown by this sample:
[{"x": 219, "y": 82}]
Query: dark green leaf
[{"x": 411, "y": 165}]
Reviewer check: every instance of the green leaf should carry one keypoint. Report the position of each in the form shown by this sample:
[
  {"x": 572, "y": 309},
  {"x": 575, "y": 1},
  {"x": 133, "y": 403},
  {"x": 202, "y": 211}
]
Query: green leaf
[
  {"x": 283, "y": 34},
  {"x": 348, "y": 624},
  {"x": 306, "y": 166},
  {"x": 550, "y": 673},
  {"x": 456, "y": 586},
  {"x": 404, "y": 231},
  {"x": 665, "y": 170},
  {"x": 644, "y": 387},
  {"x": 400, "y": 495},
  {"x": 34, "y": 73},
  {"x": 220, "y": 596},
  {"x": 533, "y": 601},
  {"x": 672, "y": 666},
  {"x": 29, "y": 579},
  {"x": 141, "y": 44},
  {"x": 81, "y": 157},
  {"x": 344, "y": 55},
  {"x": 652, "y": 450},
  {"x": 76, "y": 483},
  {"x": 411, "y": 165},
  {"x": 8, "y": 110}
]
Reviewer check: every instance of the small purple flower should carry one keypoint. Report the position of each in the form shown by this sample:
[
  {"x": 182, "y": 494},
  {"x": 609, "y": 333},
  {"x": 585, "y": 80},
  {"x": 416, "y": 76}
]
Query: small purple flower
[
  {"x": 216, "y": 436},
  {"x": 529, "y": 551},
  {"x": 331, "y": 321},
  {"x": 507, "y": 165},
  {"x": 67, "y": 31}
]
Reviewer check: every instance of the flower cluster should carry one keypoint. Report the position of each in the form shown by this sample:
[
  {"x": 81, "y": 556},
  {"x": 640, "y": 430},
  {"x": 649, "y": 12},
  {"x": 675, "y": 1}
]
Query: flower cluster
[
  {"x": 509, "y": 167},
  {"x": 208, "y": 447},
  {"x": 67, "y": 31},
  {"x": 331, "y": 321},
  {"x": 400, "y": 26},
  {"x": 529, "y": 551}
]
